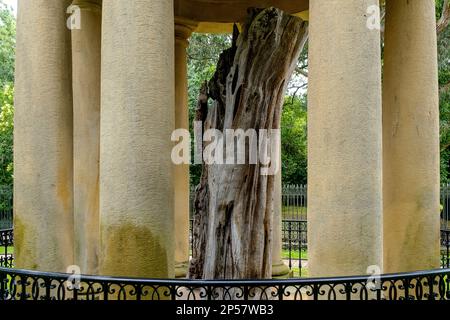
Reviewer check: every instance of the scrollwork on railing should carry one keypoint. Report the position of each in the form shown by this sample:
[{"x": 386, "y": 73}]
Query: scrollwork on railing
[{"x": 32, "y": 285}]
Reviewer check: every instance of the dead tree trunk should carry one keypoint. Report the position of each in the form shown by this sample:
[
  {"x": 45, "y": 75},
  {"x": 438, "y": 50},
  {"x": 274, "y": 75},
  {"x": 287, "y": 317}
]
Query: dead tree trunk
[{"x": 233, "y": 203}]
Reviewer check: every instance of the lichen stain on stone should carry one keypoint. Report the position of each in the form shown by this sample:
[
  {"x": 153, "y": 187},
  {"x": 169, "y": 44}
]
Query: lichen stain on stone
[
  {"x": 62, "y": 188},
  {"x": 130, "y": 250},
  {"x": 23, "y": 254}
]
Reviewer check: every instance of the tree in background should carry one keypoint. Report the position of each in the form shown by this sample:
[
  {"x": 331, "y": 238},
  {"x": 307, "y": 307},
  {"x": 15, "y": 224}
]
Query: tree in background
[
  {"x": 203, "y": 53},
  {"x": 294, "y": 157},
  {"x": 6, "y": 146},
  {"x": 7, "y": 59},
  {"x": 7, "y": 44},
  {"x": 443, "y": 31}
]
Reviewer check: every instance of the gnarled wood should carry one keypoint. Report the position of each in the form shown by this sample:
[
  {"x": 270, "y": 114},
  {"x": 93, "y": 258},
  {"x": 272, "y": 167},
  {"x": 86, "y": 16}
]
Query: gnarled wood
[{"x": 233, "y": 206}]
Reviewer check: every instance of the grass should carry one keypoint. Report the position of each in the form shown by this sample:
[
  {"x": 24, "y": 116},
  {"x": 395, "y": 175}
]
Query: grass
[
  {"x": 295, "y": 254},
  {"x": 9, "y": 250},
  {"x": 296, "y": 271},
  {"x": 293, "y": 212}
]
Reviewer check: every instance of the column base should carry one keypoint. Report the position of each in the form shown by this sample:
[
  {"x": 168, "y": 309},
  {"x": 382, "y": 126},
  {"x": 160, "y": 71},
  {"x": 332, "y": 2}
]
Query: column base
[
  {"x": 281, "y": 271},
  {"x": 181, "y": 269}
]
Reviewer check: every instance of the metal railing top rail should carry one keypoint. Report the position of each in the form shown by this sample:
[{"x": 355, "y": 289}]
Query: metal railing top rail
[
  {"x": 233, "y": 282},
  {"x": 34, "y": 285}
]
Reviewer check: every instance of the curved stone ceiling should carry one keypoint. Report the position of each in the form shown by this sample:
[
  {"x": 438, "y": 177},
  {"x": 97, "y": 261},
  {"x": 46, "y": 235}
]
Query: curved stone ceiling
[{"x": 216, "y": 15}]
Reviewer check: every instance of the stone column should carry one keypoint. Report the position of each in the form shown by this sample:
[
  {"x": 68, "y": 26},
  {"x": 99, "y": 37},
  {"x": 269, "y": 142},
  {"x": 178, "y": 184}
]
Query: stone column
[
  {"x": 410, "y": 137},
  {"x": 137, "y": 120},
  {"x": 344, "y": 132},
  {"x": 279, "y": 269},
  {"x": 183, "y": 30},
  {"x": 43, "y": 161},
  {"x": 86, "y": 56}
]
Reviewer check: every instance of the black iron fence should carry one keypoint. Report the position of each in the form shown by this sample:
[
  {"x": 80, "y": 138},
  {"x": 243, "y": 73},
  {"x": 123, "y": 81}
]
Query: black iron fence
[
  {"x": 445, "y": 249},
  {"x": 295, "y": 253},
  {"x": 294, "y": 226},
  {"x": 294, "y": 202},
  {"x": 6, "y": 219},
  {"x": 6, "y": 248},
  {"x": 6, "y": 212},
  {"x": 294, "y": 205},
  {"x": 445, "y": 207},
  {"x": 295, "y": 246},
  {"x": 30, "y": 285}
]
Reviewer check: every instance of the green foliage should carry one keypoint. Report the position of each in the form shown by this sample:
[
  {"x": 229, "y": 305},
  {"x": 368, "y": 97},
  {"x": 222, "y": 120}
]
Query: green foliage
[
  {"x": 294, "y": 141},
  {"x": 7, "y": 44},
  {"x": 203, "y": 54},
  {"x": 7, "y": 60},
  {"x": 444, "y": 103},
  {"x": 6, "y": 145}
]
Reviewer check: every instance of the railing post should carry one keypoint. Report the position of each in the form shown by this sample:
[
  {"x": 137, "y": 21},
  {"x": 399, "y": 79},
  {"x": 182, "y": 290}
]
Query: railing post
[
  {"x": 173, "y": 289},
  {"x": 290, "y": 243},
  {"x": 348, "y": 290},
  {"x": 430, "y": 280},
  {"x": 298, "y": 240},
  {"x": 246, "y": 292},
  {"x": 105, "y": 287},
  {"x": 281, "y": 288},
  {"x": 316, "y": 288},
  {"x": 447, "y": 245},
  {"x": 23, "y": 293}
]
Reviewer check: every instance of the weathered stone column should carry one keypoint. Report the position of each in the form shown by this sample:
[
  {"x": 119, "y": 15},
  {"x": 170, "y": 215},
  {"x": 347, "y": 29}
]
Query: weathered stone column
[
  {"x": 279, "y": 269},
  {"x": 137, "y": 120},
  {"x": 43, "y": 161},
  {"x": 183, "y": 30},
  {"x": 410, "y": 137},
  {"x": 86, "y": 56},
  {"x": 344, "y": 132}
]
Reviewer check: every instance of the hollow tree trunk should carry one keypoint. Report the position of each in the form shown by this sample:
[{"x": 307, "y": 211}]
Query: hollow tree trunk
[{"x": 233, "y": 206}]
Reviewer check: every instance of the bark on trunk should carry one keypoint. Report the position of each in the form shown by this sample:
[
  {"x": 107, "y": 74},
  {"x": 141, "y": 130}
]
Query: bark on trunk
[{"x": 233, "y": 203}]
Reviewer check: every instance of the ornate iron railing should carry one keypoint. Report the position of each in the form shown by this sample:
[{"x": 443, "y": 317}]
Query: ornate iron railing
[
  {"x": 31, "y": 285},
  {"x": 6, "y": 247},
  {"x": 425, "y": 285},
  {"x": 295, "y": 246}
]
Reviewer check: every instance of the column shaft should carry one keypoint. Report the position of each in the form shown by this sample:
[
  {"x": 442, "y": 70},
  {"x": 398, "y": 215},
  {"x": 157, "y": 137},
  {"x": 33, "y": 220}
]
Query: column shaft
[
  {"x": 137, "y": 119},
  {"x": 86, "y": 56},
  {"x": 344, "y": 132},
  {"x": 183, "y": 30},
  {"x": 43, "y": 162},
  {"x": 410, "y": 137}
]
